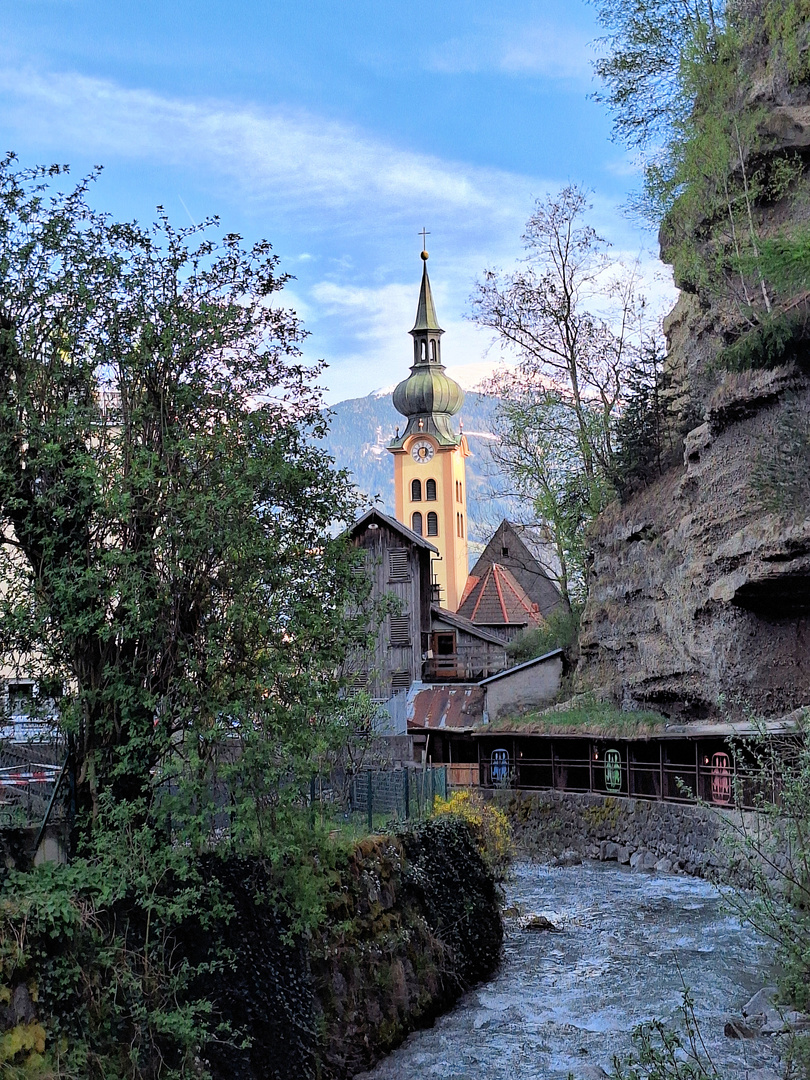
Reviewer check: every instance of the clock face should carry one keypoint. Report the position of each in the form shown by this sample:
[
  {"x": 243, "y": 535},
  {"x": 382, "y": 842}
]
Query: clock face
[{"x": 422, "y": 451}]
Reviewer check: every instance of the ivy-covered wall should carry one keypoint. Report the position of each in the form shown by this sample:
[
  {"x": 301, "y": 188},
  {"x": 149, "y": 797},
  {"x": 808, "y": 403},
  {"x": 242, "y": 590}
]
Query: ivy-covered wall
[{"x": 412, "y": 920}]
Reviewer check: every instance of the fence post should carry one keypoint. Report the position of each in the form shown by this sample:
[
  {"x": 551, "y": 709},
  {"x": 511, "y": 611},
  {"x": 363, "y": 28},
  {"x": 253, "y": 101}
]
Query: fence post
[
  {"x": 432, "y": 791},
  {"x": 369, "y": 801},
  {"x": 407, "y": 792},
  {"x": 446, "y": 795}
]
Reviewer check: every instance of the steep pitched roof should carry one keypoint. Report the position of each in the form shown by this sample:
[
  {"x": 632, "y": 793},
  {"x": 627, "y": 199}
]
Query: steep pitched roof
[
  {"x": 519, "y": 550},
  {"x": 426, "y": 309},
  {"x": 497, "y": 599},
  {"x": 392, "y": 523}
]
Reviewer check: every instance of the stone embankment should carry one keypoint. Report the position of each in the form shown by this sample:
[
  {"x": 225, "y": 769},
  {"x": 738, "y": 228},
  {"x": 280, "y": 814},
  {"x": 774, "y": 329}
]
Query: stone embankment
[{"x": 563, "y": 826}]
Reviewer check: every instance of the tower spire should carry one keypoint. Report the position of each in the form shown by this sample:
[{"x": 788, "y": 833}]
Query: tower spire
[
  {"x": 426, "y": 320},
  {"x": 429, "y": 398}
]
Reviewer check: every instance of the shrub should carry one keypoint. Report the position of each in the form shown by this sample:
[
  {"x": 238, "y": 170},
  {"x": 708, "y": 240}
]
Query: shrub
[
  {"x": 489, "y": 825},
  {"x": 559, "y": 631}
]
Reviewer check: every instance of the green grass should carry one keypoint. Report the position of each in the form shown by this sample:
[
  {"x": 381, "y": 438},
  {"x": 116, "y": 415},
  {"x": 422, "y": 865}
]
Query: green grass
[{"x": 587, "y": 715}]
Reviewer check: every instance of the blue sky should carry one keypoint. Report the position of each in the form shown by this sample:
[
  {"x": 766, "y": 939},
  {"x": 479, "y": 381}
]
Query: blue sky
[{"x": 336, "y": 130}]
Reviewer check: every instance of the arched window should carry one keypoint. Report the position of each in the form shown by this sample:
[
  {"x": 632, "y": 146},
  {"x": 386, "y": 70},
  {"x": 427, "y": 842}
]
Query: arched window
[
  {"x": 416, "y": 490},
  {"x": 416, "y": 523},
  {"x": 433, "y": 524},
  {"x": 430, "y": 490},
  {"x": 432, "y": 349},
  {"x": 461, "y": 524},
  {"x": 460, "y": 492},
  {"x": 422, "y": 350}
]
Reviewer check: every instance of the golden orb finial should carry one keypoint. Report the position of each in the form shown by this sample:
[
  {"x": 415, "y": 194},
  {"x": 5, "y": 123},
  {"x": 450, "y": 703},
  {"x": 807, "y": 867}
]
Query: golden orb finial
[{"x": 425, "y": 256}]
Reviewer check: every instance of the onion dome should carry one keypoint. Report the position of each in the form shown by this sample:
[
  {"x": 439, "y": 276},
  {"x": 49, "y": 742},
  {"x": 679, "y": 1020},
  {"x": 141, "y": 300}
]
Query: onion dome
[{"x": 428, "y": 397}]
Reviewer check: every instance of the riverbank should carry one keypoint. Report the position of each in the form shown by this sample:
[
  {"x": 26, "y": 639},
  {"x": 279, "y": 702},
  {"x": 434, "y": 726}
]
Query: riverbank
[{"x": 413, "y": 920}]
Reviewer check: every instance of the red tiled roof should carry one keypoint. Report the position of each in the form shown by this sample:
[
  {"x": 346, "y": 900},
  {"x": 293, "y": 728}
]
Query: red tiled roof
[{"x": 496, "y": 599}]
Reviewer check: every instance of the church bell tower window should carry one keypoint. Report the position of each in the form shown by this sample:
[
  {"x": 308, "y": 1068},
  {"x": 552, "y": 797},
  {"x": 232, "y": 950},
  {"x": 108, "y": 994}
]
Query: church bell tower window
[
  {"x": 432, "y": 524},
  {"x": 416, "y": 491},
  {"x": 416, "y": 523},
  {"x": 430, "y": 490}
]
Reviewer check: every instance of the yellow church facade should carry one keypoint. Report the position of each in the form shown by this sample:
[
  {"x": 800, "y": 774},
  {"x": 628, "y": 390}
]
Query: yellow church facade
[{"x": 430, "y": 482}]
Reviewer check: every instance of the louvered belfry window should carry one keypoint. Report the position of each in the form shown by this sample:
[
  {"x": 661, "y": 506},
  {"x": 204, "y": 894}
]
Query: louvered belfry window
[
  {"x": 398, "y": 569},
  {"x": 416, "y": 490},
  {"x": 430, "y": 490},
  {"x": 400, "y": 634},
  {"x": 432, "y": 524}
]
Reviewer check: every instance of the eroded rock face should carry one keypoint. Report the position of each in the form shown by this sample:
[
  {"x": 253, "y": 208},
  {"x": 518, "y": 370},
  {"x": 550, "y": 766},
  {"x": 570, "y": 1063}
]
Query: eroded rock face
[{"x": 695, "y": 591}]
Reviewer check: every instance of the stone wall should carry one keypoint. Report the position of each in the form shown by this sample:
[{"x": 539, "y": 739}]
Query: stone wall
[{"x": 553, "y": 825}]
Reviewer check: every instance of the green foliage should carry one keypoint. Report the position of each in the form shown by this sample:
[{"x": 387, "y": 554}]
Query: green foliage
[
  {"x": 776, "y": 341},
  {"x": 780, "y": 480},
  {"x": 679, "y": 80},
  {"x": 488, "y": 823},
  {"x": 170, "y": 556},
  {"x": 644, "y": 434},
  {"x": 559, "y": 631},
  {"x": 174, "y": 573}
]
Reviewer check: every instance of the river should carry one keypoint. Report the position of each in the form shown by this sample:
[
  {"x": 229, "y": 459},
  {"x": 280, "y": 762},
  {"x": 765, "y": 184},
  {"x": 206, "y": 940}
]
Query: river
[{"x": 567, "y": 1002}]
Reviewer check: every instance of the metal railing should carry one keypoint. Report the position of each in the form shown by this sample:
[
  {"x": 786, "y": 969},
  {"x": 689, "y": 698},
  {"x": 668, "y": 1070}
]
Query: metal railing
[{"x": 721, "y": 780}]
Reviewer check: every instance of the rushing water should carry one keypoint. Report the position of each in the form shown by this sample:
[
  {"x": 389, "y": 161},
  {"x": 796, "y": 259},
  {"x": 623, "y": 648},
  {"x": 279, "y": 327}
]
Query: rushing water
[{"x": 568, "y": 1002}]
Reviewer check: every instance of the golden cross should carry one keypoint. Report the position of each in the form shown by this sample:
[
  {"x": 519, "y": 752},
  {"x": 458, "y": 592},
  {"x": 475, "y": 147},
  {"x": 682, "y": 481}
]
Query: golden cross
[{"x": 424, "y": 234}]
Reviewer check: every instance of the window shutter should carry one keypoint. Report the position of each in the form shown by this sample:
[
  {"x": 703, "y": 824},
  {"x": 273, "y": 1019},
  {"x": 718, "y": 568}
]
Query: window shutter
[
  {"x": 398, "y": 569},
  {"x": 400, "y": 630},
  {"x": 400, "y": 680}
]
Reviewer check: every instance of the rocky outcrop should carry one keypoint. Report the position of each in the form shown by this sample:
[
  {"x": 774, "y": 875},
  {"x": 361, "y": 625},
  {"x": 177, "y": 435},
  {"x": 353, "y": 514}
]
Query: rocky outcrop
[{"x": 695, "y": 591}]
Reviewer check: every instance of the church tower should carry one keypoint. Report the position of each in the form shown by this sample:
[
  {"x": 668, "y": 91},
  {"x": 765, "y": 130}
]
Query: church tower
[{"x": 429, "y": 475}]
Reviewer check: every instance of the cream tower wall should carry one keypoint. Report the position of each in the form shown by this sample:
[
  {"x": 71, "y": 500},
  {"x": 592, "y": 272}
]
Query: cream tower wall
[{"x": 447, "y": 468}]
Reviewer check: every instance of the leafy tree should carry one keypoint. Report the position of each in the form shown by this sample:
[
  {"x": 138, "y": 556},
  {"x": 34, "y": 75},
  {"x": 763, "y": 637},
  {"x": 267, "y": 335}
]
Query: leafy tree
[
  {"x": 679, "y": 78},
  {"x": 559, "y": 404},
  {"x": 167, "y": 540}
]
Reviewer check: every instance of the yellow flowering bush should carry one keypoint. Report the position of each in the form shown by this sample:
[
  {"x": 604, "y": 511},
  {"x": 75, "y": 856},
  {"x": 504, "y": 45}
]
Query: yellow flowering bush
[{"x": 489, "y": 825}]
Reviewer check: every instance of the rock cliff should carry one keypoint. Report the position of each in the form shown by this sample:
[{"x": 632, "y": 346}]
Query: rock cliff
[{"x": 696, "y": 589}]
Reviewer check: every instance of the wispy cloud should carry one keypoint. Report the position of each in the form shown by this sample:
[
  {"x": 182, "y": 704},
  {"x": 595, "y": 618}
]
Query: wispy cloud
[
  {"x": 542, "y": 49},
  {"x": 285, "y": 153}
]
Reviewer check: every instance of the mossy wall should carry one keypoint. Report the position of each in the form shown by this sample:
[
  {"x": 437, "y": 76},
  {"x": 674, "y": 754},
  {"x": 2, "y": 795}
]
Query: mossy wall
[{"x": 413, "y": 921}]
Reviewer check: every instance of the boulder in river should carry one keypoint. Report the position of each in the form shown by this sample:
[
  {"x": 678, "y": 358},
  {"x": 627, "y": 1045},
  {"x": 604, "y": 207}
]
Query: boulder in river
[{"x": 540, "y": 922}]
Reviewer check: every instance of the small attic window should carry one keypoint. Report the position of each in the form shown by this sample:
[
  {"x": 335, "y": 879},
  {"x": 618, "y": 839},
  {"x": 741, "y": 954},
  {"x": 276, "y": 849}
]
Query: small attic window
[{"x": 505, "y": 552}]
